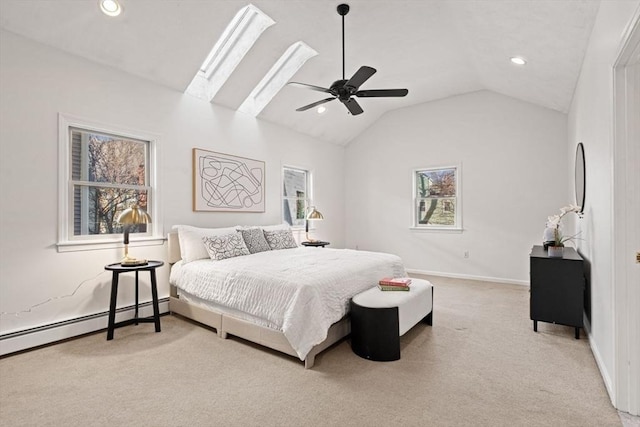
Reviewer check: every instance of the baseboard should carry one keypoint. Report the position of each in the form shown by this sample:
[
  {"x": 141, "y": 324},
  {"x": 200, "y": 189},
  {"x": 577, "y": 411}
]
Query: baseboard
[
  {"x": 47, "y": 334},
  {"x": 596, "y": 355},
  {"x": 468, "y": 277}
]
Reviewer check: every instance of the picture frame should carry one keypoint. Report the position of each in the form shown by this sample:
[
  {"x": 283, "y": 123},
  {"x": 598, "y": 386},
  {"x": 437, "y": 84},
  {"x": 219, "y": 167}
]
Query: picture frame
[{"x": 227, "y": 183}]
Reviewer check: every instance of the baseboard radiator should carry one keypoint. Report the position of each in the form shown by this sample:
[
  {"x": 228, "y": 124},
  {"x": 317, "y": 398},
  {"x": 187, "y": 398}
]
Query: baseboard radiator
[{"x": 48, "y": 334}]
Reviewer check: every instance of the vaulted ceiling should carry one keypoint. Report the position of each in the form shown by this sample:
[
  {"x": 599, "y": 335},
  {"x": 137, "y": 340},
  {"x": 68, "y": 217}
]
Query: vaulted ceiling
[{"x": 435, "y": 48}]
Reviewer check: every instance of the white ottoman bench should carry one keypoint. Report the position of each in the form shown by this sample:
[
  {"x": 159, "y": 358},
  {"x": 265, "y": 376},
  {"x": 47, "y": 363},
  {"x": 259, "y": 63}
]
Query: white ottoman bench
[{"x": 380, "y": 318}]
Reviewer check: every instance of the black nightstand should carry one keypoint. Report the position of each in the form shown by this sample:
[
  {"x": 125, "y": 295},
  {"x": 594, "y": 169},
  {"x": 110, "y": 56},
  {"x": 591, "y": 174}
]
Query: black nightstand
[
  {"x": 557, "y": 288},
  {"x": 118, "y": 268},
  {"x": 316, "y": 244}
]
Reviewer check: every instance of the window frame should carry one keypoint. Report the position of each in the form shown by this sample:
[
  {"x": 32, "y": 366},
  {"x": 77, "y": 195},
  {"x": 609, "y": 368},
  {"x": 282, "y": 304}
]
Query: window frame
[
  {"x": 66, "y": 240},
  {"x": 457, "y": 226},
  {"x": 308, "y": 200}
]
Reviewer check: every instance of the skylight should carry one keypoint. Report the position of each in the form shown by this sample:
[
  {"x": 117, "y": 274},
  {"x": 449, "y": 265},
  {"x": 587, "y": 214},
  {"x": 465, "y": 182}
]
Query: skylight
[
  {"x": 275, "y": 79},
  {"x": 236, "y": 40}
]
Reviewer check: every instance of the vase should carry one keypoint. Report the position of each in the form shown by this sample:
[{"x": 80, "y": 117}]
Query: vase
[
  {"x": 548, "y": 237},
  {"x": 555, "y": 251}
]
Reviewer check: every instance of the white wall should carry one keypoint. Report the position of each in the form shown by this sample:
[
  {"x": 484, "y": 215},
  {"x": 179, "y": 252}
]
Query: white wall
[
  {"x": 590, "y": 122},
  {"x": 37, "y": 83},
  {"x": 513, "y": 156}
]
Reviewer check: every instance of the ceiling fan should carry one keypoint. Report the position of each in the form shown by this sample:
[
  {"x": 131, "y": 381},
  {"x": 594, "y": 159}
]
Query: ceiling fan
[{"x": 344, "y": 90}]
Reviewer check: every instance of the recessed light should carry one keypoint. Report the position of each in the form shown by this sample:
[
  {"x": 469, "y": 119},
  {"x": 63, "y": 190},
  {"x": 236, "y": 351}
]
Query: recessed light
[
  {"x": 110, "y": 7},
  {"x": 518, "y": 60},
  {"x": 321, "y": 109}
]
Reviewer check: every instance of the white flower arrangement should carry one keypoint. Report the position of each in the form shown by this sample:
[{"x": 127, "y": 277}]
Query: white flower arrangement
[{"x": 553, "y": 236}]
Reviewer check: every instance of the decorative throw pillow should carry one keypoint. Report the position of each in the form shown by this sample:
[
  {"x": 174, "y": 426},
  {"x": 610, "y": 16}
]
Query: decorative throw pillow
[
  {"x": 225, "y": 246},
  {"x": 280, "y": 239},
  {"x": 254, "y": 239}
]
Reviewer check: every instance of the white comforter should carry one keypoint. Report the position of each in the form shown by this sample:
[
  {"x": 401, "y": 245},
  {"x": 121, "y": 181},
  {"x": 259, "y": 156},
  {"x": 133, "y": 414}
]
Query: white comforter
[{"x": 303, "y": 291}]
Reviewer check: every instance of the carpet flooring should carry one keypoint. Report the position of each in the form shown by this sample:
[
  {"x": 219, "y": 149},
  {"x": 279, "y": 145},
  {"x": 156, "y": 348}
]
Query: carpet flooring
[{"x": 480, "y": 364}]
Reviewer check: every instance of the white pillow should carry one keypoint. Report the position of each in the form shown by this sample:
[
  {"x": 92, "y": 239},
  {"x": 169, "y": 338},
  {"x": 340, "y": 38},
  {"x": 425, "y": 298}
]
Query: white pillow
[
  {"x": 191, "y": 245},
  {"x": 225, "y": 246}
]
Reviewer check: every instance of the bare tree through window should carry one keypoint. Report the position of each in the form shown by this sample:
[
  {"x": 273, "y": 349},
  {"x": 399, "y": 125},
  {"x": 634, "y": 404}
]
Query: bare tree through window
[
  {"x": 436, "y": 197},
  {"x": 109, "y": 174}
]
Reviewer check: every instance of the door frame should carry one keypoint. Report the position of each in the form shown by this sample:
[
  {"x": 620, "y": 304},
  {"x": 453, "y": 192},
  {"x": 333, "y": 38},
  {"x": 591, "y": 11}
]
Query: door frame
[{"x": 625, "y": 211}]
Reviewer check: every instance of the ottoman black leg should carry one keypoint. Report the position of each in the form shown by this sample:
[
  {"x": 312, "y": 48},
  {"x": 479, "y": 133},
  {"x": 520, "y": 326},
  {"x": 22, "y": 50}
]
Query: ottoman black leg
[
  {"x": 375, "y": 333},
  {"x": 429, "y": 318}
]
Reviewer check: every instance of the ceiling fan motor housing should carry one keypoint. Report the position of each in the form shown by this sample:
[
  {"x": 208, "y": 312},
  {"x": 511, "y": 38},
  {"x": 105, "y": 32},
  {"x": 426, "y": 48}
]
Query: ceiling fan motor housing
[{"x": 339, "y": 89}]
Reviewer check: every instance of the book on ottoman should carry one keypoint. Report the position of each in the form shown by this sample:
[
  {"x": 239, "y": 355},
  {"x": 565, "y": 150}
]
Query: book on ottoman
[{"x": 394, "y": 283}]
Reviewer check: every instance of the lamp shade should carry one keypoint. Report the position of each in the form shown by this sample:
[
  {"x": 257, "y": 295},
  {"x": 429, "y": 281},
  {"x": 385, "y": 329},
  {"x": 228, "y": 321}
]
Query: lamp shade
[
  {"x": 314, "y": 214},
  {"x": 134, "y": 215}
]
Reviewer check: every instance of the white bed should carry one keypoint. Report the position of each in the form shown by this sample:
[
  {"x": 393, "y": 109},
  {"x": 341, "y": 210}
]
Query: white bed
[{"x": 292, "y": 300}]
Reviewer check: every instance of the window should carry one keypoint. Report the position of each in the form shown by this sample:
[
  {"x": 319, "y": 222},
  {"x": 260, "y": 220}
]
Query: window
[
  {"x": 295, "y": 196},
  {"x": 436, "y": 198},
  {"x": 105, "y": 172}
]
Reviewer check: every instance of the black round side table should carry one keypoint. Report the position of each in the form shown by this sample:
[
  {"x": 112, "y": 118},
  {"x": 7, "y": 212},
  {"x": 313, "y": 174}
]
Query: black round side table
[
  {"x": 118, "y": 268},
  {"x": 317, "y": 244}
]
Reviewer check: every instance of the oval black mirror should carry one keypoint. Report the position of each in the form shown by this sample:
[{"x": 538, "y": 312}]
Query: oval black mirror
[{"x": 580, "y": 176}]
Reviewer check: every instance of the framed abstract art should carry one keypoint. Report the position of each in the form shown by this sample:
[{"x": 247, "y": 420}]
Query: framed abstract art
[{"x": 227, "y": 183}]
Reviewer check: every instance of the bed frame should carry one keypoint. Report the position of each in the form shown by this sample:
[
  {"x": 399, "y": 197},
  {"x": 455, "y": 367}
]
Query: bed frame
[{"x": 225, "y": 324}]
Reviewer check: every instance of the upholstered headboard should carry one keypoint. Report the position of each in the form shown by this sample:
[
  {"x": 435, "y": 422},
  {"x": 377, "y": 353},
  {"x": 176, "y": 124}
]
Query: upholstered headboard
[{"x": 173, "y": 244}]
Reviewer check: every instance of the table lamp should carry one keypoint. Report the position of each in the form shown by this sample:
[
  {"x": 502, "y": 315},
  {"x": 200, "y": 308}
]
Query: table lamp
[
  {"x": 313, "y": 215},
  {"x": 132, "y": 216}
]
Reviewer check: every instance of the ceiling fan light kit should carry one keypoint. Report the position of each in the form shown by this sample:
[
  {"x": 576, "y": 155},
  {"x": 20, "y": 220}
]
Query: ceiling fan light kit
[{"x": 344, "y": 90}]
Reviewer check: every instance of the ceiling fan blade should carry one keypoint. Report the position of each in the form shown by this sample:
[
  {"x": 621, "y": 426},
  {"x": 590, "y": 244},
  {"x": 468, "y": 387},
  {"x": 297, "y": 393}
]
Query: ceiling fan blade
[
  {"x": 312, "y": 87},
  {"x": 315, "y": 104},
  {"x": 377, "y": 93},
  {"x": 361, "y": 76},
  {"x": 353, "y": 106}
]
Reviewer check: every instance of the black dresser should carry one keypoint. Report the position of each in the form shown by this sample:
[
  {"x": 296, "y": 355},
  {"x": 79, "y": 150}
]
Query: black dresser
[{"x": 557, "y": 288}]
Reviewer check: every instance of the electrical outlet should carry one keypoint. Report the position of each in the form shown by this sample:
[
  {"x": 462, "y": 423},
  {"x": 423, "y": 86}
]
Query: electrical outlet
[{"x": 466, "y": 254}]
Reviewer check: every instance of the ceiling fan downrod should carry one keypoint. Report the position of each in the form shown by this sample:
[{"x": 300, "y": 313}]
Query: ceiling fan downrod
[{"x": 343, "y": 9}]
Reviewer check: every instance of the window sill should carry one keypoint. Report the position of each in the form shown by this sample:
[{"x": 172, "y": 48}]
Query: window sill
[
  {"x": 437, "y": 229},
  {"x": 91, "y": 245}
]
